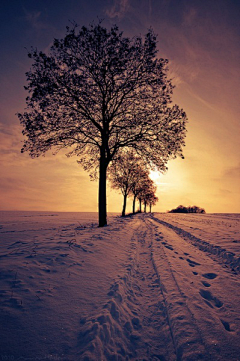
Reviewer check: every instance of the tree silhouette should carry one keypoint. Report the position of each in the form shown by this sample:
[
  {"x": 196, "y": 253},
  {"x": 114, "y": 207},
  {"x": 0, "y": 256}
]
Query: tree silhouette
[
  {"x": 122, "y": 173},
  {"x": 190, "y": 209},
  {"x": 152, "y": 201},
  {"x": 141, "y": 176},
  {"x": 147, "y": 191},
  {"x": 129, "y": 174},
  {"x": 97, "y": 92},
  {"x": 148, "y": 195}
]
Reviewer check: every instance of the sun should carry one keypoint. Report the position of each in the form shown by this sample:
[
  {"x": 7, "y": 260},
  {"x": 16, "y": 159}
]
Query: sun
[{"x": 155, "y": 176}]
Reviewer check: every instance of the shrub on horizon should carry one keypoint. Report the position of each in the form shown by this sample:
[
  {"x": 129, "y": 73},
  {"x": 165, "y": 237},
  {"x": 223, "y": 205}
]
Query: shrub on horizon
[{"x": 190, "y": 209}]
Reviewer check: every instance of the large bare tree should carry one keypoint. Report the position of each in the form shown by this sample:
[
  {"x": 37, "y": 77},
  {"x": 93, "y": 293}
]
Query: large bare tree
[{"x": 96, "y": 92}]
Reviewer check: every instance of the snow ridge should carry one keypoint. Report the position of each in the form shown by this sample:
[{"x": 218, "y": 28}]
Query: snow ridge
[{"x": 228, "y": 257}]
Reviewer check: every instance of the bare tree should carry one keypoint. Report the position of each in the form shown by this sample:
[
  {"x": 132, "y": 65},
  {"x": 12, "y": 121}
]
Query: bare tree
[
  {"x": 129, "y": 174},
  {"x": 150, "y": 198},
  {"x": 147, "y": 192},
  {"x": 152, "y": 201},
  {"x": 123, "y": 174},
  {"x": 141, "y": 177},
  {"x": 97, "y": 92}
]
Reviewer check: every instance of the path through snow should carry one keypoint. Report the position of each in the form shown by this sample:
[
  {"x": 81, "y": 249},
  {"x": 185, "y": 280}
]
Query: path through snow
[{"x": 147, "y": 287}]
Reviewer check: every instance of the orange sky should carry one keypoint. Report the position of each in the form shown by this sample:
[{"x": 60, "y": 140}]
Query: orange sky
[{"x": 201, "y": 40}]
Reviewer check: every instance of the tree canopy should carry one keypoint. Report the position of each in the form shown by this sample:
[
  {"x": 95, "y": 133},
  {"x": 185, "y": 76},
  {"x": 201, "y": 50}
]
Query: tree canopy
[{"x": 97, "y": 92}]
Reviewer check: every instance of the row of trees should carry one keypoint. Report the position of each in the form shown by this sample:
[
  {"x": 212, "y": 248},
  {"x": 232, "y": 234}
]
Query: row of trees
[
  {"x": 98, "y": 93},
  {"x": 129, "y": 174}
]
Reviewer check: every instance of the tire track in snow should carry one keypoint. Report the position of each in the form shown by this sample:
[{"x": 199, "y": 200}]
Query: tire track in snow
[
  {"x": 214, "y": 314},
  {"x": 222, "y": 255},
  {"x": 133, "y": 323},
  {"x": 186, "y": 335},
  {"x": 146, "y": 300}
]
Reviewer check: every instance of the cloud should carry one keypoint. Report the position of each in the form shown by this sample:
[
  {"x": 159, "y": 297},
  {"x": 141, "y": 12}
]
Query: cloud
[
  {"x": 9, "y": 184},
  {"x": 34, "y": 19},
  {"x": 189, "y": 17},
  {"x": 232, "y": 172},
  {"x": 38, "y": 21},
  {"x": 174, "y": 73},
  {"x": 118, "y": 9},
  {"x": 149, "y": 8},
  {"x": 206, "y": 103}
]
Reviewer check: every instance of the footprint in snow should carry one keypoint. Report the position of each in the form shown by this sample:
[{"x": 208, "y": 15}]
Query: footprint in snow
[
  {"x": 168, "y": 247},
  {"x": 192, "y": 263},
  {"x": 209, "y": 276},
  {"x": 226, "y": 325},
  {"x": 136, "y": 323},
  {"x": 207, "y": 295},
  {"x": 16, "y": 244},
  {"x": 206, "y": 284}
]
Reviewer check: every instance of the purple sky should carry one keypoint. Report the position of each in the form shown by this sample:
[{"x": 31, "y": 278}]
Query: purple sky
[{"x": 201, "y": 39}]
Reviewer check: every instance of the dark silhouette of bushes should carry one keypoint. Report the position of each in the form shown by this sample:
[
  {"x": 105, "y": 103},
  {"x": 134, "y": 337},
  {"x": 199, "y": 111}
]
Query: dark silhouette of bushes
[{"x": 192, "y": 209}]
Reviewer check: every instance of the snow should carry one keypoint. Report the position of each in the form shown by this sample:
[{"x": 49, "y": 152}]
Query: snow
[{"x": 146, "y": 287}]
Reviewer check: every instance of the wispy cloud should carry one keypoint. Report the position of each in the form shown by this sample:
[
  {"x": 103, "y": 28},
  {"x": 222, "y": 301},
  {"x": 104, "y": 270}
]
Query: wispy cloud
[
  {"x": 38, "y": 21},
  {"x": 232, "y": 172},
  {"x": 149, "y": 8},
  {"x": 34, "y": 19},
  {"x": 189, "y": 17},
  {"x": 118, "y": 9},
  {"x": 201, "y": 100}
]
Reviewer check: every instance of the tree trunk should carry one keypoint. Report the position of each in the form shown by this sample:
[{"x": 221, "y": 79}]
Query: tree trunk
[
  {"x": 134, "y": 201},
  {"x": 150, "y": 208},
  {"x": 145, "y": 207},
  {"x": 124, "y": 205},
  {"x": 102, "y": 193},
  {"x": 140, "y": 205}
]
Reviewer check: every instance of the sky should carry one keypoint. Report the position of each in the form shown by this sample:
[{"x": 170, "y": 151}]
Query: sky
[{"x": 201, "y": 39}]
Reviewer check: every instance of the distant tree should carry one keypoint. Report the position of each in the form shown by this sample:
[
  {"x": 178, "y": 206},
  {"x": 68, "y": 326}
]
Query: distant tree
[
  {"x": 141, "y": 176},
  {"x": 97, "y": 92},
  {"x": 150, "y": 198},
  {"x": 146, "y": 188},
  {"x": 192, "y": 209},
  {"x": 122, "y": 175},
  {"x": 148, "y": 192},
  {"x": 129, "y": 175},
  {"x": 152, "y": 201}
]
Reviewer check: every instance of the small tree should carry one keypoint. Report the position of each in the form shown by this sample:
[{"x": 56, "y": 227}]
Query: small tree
[
  {"x": 152, "y": 201},
  {"x": 122, "y": 175},
  {"x": 148, "y": 192},
  {"x": 128, "y": 174},
  {"x": 141, "y": 176},
  {"x": 97, "y": 92}
]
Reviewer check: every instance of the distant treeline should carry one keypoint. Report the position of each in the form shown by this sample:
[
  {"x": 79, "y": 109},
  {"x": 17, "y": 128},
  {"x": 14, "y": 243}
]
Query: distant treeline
[{"x": 192, "y": 209}]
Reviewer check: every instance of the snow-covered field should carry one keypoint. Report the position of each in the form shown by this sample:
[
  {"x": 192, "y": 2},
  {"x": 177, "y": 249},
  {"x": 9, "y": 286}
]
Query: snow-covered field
[{"x": 146, "y": 287}]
